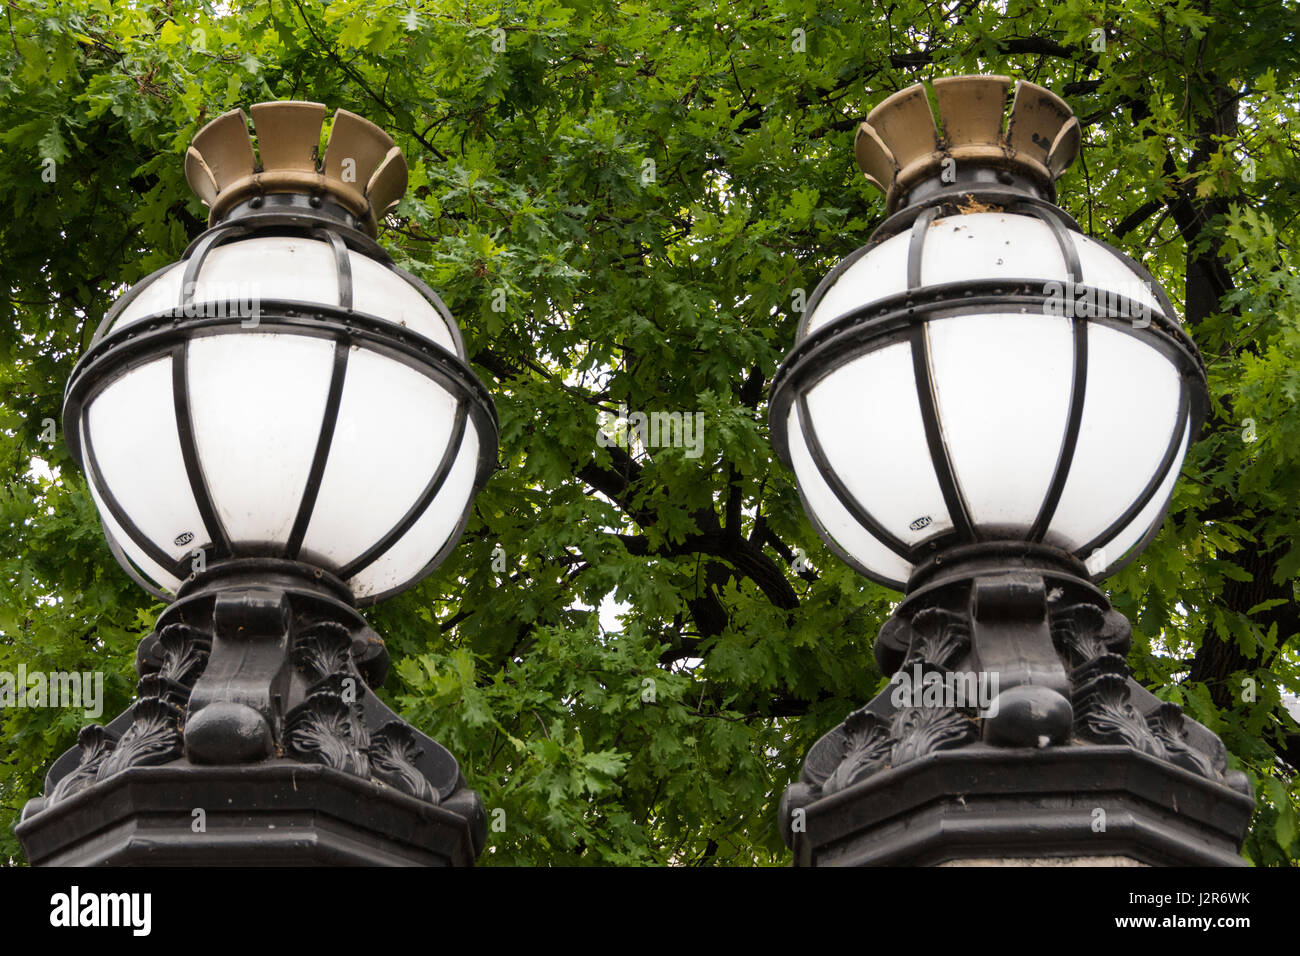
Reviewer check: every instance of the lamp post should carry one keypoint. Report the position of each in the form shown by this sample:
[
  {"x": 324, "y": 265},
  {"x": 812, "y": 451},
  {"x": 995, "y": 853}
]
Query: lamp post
[
  {"x": 988, "y": 410},
  {"x": 278, "y": 429}
]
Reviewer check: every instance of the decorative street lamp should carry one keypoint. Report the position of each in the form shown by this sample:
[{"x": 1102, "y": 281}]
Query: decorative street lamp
[
  {"x": 988, "y": 409},
  {"x": 277, "y": 429}
]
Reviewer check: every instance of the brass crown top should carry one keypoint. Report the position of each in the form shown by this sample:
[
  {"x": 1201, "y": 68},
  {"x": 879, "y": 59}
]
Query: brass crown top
[
  {"x": 900, "y": 145},
  {"x": 362, "y": 170}
]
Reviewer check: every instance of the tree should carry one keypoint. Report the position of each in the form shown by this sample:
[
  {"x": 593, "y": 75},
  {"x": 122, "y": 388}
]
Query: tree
[{"x": 625, "y": 206}]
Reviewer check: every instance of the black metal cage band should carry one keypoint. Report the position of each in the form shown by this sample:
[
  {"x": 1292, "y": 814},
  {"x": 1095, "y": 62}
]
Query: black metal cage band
[
  {"x": 133, "y": 571},
  {"x": 114, "y": 507},
  {"x": 439, "y": 478},
  {"x": 1052, "y": 297},
  {"x": 431, "y": 566},
  {"x": 890, "y": 320},
  {"x": 341, "y": 243},
  {"x": 844, "y": 555},
  {"x": 1167, "y": 315},
  {"x": 434, "y": 300},
  {"x": 193, "y": 258},
  {"x": 837, "y": 345},
  {"x": 154, "y": 339},
  {"x": 199, "y": 487},
  {"x": 324, "y": 441},
  {"x": 304, "y": 211},
  {"x": 296, "y": 224},
  {"x": 1167, "y": 462},
  {"x": 944, "y": 206},
  {"x": 1162, "y": 297},
  {"x": 1049, "y": 217},
  {"x": 830, "y": 475},
  {"x": 964, "y": 202},
  {"x": 342, "y": 265},
  {"x": 1131, "y": 555},
  {"x": 1073, "y": 424},
  {"x": 197, "y": 255},
  {"x": 297, "y": 214},
  {"x": 127, "y": 297},
  {"x": 954, "y": 499},
  {"x": 814, "y": 300},
  {"x": 148, "y": 338},
  {"x": 1078, "y": 381}
]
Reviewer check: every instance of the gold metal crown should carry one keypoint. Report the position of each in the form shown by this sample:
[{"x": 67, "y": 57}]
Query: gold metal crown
[
  {"x": 900, "y": 145},
  {"x": 363, "y": 169}
]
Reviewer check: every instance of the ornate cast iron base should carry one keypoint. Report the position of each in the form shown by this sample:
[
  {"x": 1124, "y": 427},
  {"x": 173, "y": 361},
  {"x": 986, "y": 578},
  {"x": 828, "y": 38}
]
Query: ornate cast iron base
[
  {"x": 1012, "y": 728},
  {"x": 254, "y": 739}
]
